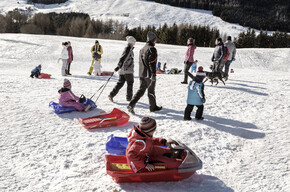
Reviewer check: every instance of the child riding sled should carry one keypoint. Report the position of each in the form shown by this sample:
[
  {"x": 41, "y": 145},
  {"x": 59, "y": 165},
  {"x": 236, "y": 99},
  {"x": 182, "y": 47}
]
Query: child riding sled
[
  {"x": 68, "y": 99},
  {"x": 144, "y": 151}
]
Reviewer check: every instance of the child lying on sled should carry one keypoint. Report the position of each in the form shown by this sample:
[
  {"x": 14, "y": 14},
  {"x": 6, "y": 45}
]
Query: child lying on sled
[
  {"x": 36, "y": 72},
  {"x": 68, "y": 99},
  {"x": 144, "y": 151}
]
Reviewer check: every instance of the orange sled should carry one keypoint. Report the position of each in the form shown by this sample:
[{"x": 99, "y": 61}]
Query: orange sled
[{"x": 116, "y": 118}]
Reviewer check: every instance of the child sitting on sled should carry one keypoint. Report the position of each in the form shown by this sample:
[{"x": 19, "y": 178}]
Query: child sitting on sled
[
  {"x": 196, "y": 96},
  {"x": 68, "y": 99},
  {"x": 144, "y": 151},
  {"x": 36, "y": 71}
]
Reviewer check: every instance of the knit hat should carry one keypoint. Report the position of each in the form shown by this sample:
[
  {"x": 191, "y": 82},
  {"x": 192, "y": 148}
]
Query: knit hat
[
  {"x": 151, "y": 36},
  {"x": 147, "y": 124},
  {"x": 130, "y": 39},
  {"x": 200, "y": 68},
  {"x": 66, "y": 83}
]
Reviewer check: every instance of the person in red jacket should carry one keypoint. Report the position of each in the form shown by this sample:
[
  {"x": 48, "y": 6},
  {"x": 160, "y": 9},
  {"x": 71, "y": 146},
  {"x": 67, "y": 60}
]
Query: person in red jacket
[{"x": 144, "y": 151}]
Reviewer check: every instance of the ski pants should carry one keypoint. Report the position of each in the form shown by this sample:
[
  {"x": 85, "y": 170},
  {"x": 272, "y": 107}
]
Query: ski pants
[
  {"x": 145, "y": 83},
  {"x": 227, "y": 67},
  {"x": 189, "y": 109},
  {"x": 187, "y": 66},
  {"x": 64, "y": 66},
  {"x": 129, "y": 78}
]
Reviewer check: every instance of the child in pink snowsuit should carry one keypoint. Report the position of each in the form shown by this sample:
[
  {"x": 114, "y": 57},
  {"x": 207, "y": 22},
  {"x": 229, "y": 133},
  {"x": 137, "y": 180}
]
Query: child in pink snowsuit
[{"x": 68, "y": 99}]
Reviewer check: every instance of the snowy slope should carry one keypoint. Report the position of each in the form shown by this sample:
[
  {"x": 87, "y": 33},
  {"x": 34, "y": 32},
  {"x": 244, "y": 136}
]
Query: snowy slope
[
  {"x": 243, "y": 141},
  {"x": 140, "y": 12}
]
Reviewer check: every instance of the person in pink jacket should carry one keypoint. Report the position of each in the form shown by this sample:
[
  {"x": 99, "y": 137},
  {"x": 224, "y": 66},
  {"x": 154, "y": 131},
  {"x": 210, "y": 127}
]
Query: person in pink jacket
[
  {"x": 188, "y": 61},
  {"x": 68, "y": 99},
  {"x": 70, "y": 57},
  {"x": 144, "y": 151}
]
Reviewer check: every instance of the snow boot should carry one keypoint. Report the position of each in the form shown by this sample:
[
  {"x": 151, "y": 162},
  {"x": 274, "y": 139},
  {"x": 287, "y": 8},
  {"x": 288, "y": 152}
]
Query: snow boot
[
  {"x": 131, "y": 109},
  {"x": 111, "y": 98},
  {"x": 155, "y": 109}
]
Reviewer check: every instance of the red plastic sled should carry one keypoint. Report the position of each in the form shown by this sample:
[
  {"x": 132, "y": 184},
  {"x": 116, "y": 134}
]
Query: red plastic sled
[
  {"x": 120, "y": 171},
  {"x": 106, "y": 73},
  {"x": 116, "y": 118},
  {"x": 44, "y": 76}
]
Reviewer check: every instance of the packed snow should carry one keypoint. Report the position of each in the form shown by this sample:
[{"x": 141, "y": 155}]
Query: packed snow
[
  {"x": 132, "y": 13},
  {"x": 243, "y": 140}
]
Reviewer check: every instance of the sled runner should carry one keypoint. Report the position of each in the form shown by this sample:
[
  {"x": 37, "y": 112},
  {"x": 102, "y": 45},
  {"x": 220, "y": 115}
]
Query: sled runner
[
  {"x": 115, "y": 118},
  {"x": 117, "y": 167},
  {"x": 44, "y": 76},
  {"x": 58, "y": 109}
]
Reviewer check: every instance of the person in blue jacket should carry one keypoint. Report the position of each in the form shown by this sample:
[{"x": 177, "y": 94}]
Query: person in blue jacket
[
  {"x": 36, "y": 72},
  {"x": 196, "y": 96}
]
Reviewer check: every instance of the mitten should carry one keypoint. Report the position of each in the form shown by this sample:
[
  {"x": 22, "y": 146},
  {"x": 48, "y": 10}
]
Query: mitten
[{"x": 116, "y": 69}]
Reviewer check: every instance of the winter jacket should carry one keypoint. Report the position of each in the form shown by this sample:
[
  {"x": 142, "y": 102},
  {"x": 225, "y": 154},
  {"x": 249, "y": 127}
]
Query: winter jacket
[
  {"x": 147, "y": 60},
  {"x": 189, "y": 53},
  {"x": 64, "y": 53},
  {"x": 66, "y": 95},
  {"x": 232, "y": 49},
  {"x": 195, "y": 93},
  {"x": 126, "y": 62},
  {"x": 36, "y": 70},
  {"x": 219, "y": 53},
  {"x": 97, "y": 50},
  {"x": 140, "y": 147},
  {"x": 70, "y": 54}
]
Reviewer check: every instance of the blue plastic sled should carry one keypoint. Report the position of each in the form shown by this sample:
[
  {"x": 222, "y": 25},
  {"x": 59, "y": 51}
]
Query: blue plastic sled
[
  {"x": 117, "y": 145},
  {"x": 58, "y": 109}
]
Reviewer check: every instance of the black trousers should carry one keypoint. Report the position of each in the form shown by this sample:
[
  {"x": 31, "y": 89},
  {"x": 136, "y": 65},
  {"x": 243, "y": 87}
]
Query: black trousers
[
  {"x": 129, "y": 78},
  {"x": 189, "y": 109},
  {"x": 145, "y": 83},
  {"x": 68, "y": 67},
  {"x": 227, "y": 67},
  {"x": 187, "y": 66}
]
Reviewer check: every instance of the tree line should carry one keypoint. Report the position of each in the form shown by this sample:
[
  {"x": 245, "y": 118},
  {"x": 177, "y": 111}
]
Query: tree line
[
  {"x": 47, "y": 1},
  {"x": 81, "y": 25},
  {"x": 260, "y": 14}
]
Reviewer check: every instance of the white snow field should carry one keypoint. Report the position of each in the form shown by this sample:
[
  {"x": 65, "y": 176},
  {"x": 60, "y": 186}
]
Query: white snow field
[
  {"x": 243, "y": 140},
  {"x": 132, "y": 13}
]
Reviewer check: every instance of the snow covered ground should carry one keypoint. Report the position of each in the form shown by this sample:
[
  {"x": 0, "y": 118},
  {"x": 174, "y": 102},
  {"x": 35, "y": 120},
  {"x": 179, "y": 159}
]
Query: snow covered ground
[
  {"x": 132, "y": 13},
  {"x": 243, "y": 141}
]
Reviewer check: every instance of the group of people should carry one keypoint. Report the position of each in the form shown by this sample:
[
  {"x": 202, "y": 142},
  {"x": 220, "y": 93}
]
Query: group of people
[{"x": 66, "y": 57}]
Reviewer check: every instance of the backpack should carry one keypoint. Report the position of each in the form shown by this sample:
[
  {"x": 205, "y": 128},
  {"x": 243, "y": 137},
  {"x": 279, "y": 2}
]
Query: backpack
[{"x": 227, "y": 53}]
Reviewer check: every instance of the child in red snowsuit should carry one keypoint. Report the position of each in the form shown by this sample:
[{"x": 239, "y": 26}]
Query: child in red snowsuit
[{"x": 144, "y": 151}]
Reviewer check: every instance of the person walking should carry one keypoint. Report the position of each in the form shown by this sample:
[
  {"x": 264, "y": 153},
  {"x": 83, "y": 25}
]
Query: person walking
[
  {"x": 188, "y": 61},
  {"x": 147, "y": 74},
  {"x": 126, "y": 70},
  {"x": 64, "y": 57},
  {"x": 232, "y": 54},
  {"x": 97, "y": 51},
  {"x": 70, "y": 57},
  {"x": 218, "y": 56}
]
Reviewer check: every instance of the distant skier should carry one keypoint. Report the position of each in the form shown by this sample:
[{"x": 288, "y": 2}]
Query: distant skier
[
  {"x": 70, "y": 57},
  {"x": 97, "y": 51},
  {"x": 188, "y": 61},
  {"x": 126, "y": 70},
  {"x": 64, "y": 57},
  {"x": 147, "y": 74},
  {"x": 232, "y": 54},
  {"x": 218, "y": 56},
  {"x": 68, "y": 99},
  {"x": 36, "y": 72},
  {"x": 196, "y": 96}
]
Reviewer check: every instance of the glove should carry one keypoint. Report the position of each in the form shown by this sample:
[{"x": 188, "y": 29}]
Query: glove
[
  {"x": 185, "y": 62},
  {"x": 203, "y": 100},
  {"x": 233, "y": 59},
  {"x": 116, "y": 69},
  {"x": 153, "y": 78},
  {"x": 82, "y": 99}
]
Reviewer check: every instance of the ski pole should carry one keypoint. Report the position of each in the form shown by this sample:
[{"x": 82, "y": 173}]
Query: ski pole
[
  {"x": 101, "y": 87},
  {"x": 104, "y": 87}
]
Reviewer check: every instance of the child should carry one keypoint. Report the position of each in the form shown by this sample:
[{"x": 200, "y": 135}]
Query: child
[
  {"x": 144, "y": 150},
  {"x": 193, "y": 66},
  {"x": 68, "y": 99},
  {"x": 36, "y": 72},
  {"x": 195, "y": 96},
  {"x": 97, "y": 67}
]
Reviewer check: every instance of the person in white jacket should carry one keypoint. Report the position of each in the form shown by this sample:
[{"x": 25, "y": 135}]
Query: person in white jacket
[{"x": 64, "y": 56}]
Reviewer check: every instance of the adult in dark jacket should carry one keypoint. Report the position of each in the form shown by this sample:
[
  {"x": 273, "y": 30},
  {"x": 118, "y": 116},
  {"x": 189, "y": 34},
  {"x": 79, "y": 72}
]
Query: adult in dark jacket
[
  {"x": 218, "y": 55},
  {"x": 147, "y": 74},
  {"x": 126, "y": 70}
]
